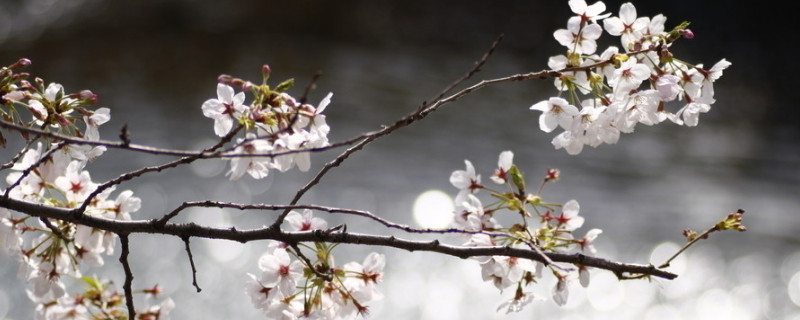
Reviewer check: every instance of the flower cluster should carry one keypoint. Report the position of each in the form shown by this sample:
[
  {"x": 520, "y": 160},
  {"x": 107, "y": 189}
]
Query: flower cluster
[
  {"x": 53, "y": 174},
  {"x": 621, "y": 89},
  {"x": 51, "y": 108},
  {"x": 553, "y": 232},
  {"x": 274, "y": 123},
  {"x": 101, "y": 301},
  {"x": 300, "y": 289}
]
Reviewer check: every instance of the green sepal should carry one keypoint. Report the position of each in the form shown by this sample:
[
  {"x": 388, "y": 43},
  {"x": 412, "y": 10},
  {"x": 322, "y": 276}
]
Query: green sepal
[
  {"x": 283, "y": 86},
  {"x": 517, "y": 177}
]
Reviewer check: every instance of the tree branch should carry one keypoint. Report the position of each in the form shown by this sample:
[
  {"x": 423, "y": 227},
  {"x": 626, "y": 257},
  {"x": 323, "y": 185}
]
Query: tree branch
[
  {"x": 270, "y": 233},
  {"x": 127, "y": 286}
]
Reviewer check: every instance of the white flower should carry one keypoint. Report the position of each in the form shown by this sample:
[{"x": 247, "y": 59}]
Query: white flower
[
  {"x": 306, "y": 221},
  {"x": 691, "y": 112},
  {"x": 587, "y": 243},
  {"x": 76, "y": 183},
  {"x": 260, "y": 295},
  {"x": 159, "y": 311},
  {"x": 280, "y": 272},
  {"x": 47, "y": 282},
  {"x": 225, "y": 109},
  {"x": 561, "y": 291},
  {"x": 569, "y": 141},
  {"x": 579, "y": 40},
  {"x": 283, "y": 310},
  {"x": 668, "y": 87},
  {"x": 466, "y": 181},
  {"x": 363, "y": 279},
  {"x": 10, "y": 236},
  {"x": 256, "y": 167},
  {"x": 38, "y": 110},
  {"x": 627, "y": 77},
  {"x": 591, "y": 12},
  {"x": 556, "y": 112},
  {"x": 627, "y": 25},
  {"x": 480, "y": 240},
  {"x": 292, "y": 142},
  {"x": 99, "y": 117},
  {"x": 569, "y": 219},
  {"x": 473, "y": 217},
  {"x": 640, "y": 107},
  {"x": 504, "y": 163},
  {"x": 520, "y": 300}
]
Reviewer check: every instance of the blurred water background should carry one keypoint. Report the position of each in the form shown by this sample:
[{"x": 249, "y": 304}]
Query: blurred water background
[{"x": 154, "y": 63}]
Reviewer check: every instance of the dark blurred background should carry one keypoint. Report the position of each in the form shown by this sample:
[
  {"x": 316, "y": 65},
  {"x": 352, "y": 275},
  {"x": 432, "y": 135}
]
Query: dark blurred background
[{"x": 154, "y": 63}]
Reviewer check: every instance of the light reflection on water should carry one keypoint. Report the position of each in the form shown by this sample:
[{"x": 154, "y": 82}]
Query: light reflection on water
[{"x": 642, "y": 191}]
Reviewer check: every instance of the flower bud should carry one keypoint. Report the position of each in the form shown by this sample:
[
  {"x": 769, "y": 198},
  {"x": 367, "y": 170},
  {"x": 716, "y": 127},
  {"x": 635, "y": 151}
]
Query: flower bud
[
  {"x": 224, "y": 78},
  {"x": 686, "y": 33},
  {"x": 552, "y": 174},
  {"x": 265, "y": 71},
  {"x": 85, "y": 96},
  {"x": 21, "y": 63}
]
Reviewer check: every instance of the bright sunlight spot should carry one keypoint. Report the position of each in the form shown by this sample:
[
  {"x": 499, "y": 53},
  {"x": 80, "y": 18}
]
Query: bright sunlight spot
[
  {"x": 433, "y": 209},
  {"x": 794, "y": 288}
]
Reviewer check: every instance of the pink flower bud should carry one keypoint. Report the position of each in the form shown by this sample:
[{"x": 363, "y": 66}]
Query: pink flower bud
[
  {"x": 552, "y": 174},
  {"x": 21, "y": 63},
  {"x": 266, "y": 70},
  {"x": 87, "y": 96},
  {"x": 686, "y": 33},
  {"x": 224, "y": 78}
]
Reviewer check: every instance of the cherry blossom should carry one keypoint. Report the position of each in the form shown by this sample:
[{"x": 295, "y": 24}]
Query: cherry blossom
[
  {"x": 466, "y": 181},
  {"x": 520, "y": 300},
  {"x": 504, "y": 163},
  {"x": 555, "y": 112},
  {"x": 587, "y": 243},
  {"x": 225, "y": 109},
  {"x": 280, "y": 272},
  {"x": 591, "y": 12},
  {"x": 569, "y": 219},
  {"x": 363, "y": 278},
  {"x": 99, "y": 117},
  {"x": 256, "y": 167},
  {"x": 561, "y": 291},
  {"x": 627, "y": 77},
  {"x": 628, "y": 26},
  {"x": 668, "y": 87},
  {"x": 10, "y": 235},
  {"x": 75, "y": 183},
  {"x": 305, "y": 221},
  {"x": 577, "y": 37}
]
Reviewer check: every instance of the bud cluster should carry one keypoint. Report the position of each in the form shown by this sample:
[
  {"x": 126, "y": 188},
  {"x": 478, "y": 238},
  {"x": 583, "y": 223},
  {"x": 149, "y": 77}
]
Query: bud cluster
[
  {"x": 298, "y": 288},
  {"x": 50, "y": 106},
  {"x": 274, "y": 123},
  {"x": 545, "y": 226},
  {"x": 101, "y": 301}
]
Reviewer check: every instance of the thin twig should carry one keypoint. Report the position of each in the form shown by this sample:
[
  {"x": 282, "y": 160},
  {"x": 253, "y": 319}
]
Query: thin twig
[
  {"x": 53, "y": 229},
  {"x": 17, "y": 156},
  {"x": 299, "y": 254},
  {"x": 475, "y": 69},
  {"x": 191, "y": 262},
  {"x": 420, "y": 114},
  {"x": 127, "y": 286},
  {"x": 131, "y": 175},
  {"x": 361, "y": 213}
]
